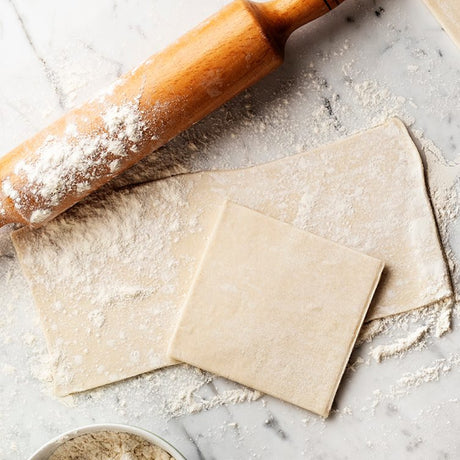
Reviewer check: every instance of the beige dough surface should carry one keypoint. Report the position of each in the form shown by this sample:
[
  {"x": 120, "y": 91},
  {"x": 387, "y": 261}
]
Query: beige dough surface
[
  {"x": 110, "y": 276},
  {"x": 275, "y": 308},
  {"x": 447, "y": 12}
]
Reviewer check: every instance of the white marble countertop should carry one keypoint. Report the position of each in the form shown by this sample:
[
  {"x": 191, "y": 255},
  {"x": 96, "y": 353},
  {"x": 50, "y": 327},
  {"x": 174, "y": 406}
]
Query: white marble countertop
[{"x": 367, "y": 60}]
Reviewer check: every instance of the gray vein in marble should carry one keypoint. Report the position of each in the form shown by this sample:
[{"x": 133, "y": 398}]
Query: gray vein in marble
[
  {"x": 118, "y": 65},
  {"x": 193, "y": 441},
  {"x": 272, "y": 423},
  {"x": 50, "y": 74}
]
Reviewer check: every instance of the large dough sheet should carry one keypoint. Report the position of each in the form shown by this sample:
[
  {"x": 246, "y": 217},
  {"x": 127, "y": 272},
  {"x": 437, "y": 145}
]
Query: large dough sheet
[
  {"x": 275, "y": 308},
  {"x": 110, "y": 276}
]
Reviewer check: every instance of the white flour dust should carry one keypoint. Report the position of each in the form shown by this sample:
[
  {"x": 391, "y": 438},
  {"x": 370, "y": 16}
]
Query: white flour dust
[
  {"x": 407, "y": 331},
  {"x": 72, "y": 162},
  {"x": 172, "y": 392},
  {"x": 384, "y": 351},
  {"x": 410, "y": 381}
]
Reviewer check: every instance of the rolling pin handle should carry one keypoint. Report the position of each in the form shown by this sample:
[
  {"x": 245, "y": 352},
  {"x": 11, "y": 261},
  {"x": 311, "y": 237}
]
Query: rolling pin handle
[{"x": 282, "y": 17}]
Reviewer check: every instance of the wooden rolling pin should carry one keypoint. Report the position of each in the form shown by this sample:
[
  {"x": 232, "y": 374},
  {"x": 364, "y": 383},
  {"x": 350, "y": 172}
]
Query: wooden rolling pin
[{"x": 148, "y": 106}]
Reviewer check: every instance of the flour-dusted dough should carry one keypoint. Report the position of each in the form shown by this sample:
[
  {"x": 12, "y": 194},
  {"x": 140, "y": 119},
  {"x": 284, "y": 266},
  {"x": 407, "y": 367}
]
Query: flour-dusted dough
[
  {"x": 109, "y": 276},
  {"x": 447, "y": 12},
  {"x": 275, "y": 308}
]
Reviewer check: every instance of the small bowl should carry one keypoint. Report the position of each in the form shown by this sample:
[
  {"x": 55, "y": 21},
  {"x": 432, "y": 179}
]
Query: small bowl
[{"x": 45, "y": 451}]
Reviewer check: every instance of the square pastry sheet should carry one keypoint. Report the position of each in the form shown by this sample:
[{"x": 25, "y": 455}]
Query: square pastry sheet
[{"x": 276, "y": 308}]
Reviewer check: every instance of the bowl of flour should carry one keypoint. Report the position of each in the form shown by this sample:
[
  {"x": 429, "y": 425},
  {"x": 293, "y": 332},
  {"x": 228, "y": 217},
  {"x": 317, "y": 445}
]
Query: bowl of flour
[{"x": 107, "y": 442}]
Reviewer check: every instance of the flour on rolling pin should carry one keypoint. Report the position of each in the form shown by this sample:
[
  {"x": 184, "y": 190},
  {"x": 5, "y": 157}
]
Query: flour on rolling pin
[{"x": 72, "y": 161}]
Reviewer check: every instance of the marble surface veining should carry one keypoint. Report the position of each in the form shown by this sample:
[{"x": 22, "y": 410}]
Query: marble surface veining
[{"x": 348, "y": 71}]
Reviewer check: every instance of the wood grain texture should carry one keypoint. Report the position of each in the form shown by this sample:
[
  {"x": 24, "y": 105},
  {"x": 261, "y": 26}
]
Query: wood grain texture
[{"x": 282, "y": 17}]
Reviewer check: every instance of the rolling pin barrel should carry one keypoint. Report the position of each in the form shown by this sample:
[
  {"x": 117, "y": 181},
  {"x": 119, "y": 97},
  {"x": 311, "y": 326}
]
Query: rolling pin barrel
[{"x": 147, "y": 107}]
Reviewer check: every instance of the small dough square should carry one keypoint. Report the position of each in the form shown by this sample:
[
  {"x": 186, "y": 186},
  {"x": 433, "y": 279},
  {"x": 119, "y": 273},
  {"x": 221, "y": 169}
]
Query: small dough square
[{"x": 275, "y": 308}]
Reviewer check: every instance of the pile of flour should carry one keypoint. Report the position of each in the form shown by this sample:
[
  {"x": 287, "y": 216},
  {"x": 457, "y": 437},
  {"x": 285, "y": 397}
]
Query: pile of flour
[{"x": 109, "y": 445}]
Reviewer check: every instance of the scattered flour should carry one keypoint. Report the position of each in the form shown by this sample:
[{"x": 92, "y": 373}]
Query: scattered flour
[
  {"x": 97, "y": 318},
  {"x": 384, "y": 351},
  {"x": 444, "y": 322},
  {"x": 432, "y": 373},
  {"x": 410, "y": 381},
  {"x": 369, "y": 331},
  {"x": 188, "y": 402},
  {"x": 173, "y": 392},
  {"x": 407, "y": 331}
]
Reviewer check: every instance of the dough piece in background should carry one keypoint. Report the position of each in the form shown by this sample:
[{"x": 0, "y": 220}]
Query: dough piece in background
[
  {"x": 447, "y": 12},
  {"x": 275, "y": 308},
  {"x": 366, "y": 192},
  {"x": 109, "y": 276}
]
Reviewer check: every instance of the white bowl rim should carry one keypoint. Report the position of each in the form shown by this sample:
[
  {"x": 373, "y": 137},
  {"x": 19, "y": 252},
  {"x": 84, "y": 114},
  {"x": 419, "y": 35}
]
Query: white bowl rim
[{"x": 47, "y": 449}]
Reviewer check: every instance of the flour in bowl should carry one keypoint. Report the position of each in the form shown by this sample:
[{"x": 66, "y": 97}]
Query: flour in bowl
[{"x": 109, "y": 445}]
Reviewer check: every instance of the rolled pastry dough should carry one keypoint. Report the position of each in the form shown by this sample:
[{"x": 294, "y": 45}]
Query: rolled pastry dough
[
  {"x": 109, "y": 276},
  {"x": 275, "y": 308},
  {"x": 447, "y": 12}
]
